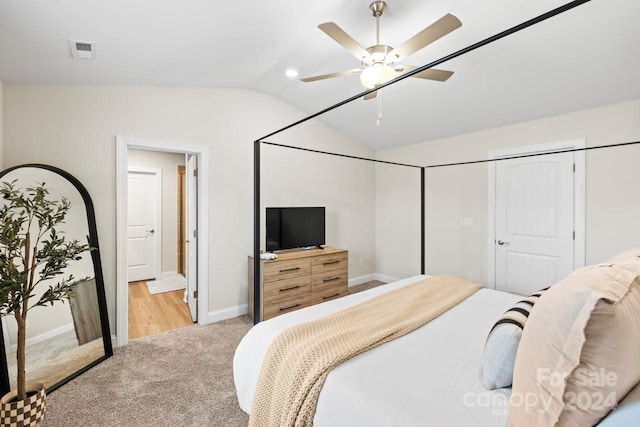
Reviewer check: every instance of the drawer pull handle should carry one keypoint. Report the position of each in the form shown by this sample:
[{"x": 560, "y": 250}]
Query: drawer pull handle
[
  {"x": 331, "y": 279},
  {"x": 331, "y": 296},
  {"x": 331, "y": 262},
  {"x": 290, "y": 307},
  {"x": 289, "y": 269},
  {"x": 289, "y": 289}
]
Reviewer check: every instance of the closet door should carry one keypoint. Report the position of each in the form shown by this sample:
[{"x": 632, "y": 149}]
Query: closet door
[
  {"x": 534, "y": 222},
  {"x": 143, "y": 219}
]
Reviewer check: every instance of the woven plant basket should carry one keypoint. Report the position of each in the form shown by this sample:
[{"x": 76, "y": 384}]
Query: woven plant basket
[{"x": 22, "y": 413}]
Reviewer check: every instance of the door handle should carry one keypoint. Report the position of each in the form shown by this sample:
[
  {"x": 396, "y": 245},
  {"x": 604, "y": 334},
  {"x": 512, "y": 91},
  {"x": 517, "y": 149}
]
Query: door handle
[
  {"x": 500, "y": 242},
  {"x": 151, "y": 231}
]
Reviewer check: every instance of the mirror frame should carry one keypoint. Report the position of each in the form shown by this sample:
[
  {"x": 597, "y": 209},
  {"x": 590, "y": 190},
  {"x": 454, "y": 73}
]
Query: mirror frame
[{"x": 97, "y": 267}]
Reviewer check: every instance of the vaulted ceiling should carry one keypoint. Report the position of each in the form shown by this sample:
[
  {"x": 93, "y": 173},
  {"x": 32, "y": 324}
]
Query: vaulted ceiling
[{"x": 586, "y": 57}]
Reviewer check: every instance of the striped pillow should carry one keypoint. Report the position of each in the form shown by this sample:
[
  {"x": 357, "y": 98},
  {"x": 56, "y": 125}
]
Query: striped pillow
[{"x": 501, "y": 347}]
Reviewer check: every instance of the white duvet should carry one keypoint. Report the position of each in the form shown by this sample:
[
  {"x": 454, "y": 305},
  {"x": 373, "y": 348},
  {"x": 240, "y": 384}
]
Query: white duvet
[{"x": 430, "y": 377}]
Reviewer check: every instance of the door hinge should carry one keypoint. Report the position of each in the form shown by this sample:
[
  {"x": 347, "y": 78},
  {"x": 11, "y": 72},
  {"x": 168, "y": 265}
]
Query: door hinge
[
  {"x": 195, "y": 173},
  {"x": 574, "y": 168},
  {"x": 195, "y": 234},
  {"x": 574, "y": 235},
  {"x": 195, "y": 294}
]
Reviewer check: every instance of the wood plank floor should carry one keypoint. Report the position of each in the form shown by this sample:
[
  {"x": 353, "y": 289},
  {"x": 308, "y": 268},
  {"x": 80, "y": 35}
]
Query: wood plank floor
[
  {"x": 365, "y": 286},
  {"x": 150, "y": 314}
]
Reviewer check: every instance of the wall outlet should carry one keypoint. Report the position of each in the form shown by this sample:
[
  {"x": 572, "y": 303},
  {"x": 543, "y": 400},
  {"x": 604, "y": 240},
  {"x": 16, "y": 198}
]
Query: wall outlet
[{"x": 360, "y": 262}]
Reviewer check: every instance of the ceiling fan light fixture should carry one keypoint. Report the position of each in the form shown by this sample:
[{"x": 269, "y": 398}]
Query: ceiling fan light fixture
[{"x": 376, "y": 74}]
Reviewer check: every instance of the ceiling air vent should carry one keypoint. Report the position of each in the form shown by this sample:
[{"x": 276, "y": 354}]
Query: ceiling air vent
[{"x": 82, "y": 49}]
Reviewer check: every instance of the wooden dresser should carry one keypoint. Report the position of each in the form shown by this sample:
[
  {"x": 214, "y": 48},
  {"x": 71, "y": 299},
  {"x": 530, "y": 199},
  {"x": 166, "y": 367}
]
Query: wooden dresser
[{"x": 298, "y": 279}]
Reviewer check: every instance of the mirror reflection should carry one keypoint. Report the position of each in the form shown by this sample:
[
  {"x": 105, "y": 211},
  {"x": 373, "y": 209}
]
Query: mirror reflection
[{"x": 65, "y": 337}]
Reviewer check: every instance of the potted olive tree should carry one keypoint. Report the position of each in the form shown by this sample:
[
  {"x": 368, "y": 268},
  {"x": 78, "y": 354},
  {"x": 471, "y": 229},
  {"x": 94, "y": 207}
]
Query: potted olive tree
[{"x": 33, "y": 254}]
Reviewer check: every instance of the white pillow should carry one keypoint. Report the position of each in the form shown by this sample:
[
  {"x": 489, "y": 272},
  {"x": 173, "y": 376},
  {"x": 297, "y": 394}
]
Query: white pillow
[{"x": 501, "y": 347}]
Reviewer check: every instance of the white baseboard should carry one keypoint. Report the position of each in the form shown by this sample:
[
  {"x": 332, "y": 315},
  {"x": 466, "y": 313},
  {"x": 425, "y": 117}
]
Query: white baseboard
[
  {"x": 45, "y": 336},
  {"x": 370, "y": 277},
  {"x": 227, "y": 313},
  {"x": 242, "y": 309},
  {"x": 213, "y": 316}
]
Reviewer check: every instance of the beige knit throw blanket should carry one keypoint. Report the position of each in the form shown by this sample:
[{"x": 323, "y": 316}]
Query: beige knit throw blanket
[{"x": 299, "y": 358}]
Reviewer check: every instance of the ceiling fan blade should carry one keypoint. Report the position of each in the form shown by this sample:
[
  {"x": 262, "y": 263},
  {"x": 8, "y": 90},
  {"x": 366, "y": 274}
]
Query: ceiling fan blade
[
  {"x": 345, "y": 40},
  {"x": 331, "y": 75},
  {"x": 371, "y": 95},
  {"x": 433, "y": 32},
  {"x": 429, "y": 74}
]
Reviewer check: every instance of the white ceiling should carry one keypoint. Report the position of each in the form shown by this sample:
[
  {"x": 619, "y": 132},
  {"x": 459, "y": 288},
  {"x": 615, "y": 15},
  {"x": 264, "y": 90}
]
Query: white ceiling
[{"x": 586, "y": 57}]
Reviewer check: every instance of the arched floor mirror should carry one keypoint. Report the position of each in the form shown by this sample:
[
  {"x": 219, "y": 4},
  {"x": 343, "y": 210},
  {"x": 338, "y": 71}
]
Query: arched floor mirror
[{"x": 70, "y": 336}]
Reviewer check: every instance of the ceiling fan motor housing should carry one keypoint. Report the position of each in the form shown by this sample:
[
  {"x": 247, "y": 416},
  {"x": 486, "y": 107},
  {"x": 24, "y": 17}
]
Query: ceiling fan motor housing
[{"x": 378, "y": 54}]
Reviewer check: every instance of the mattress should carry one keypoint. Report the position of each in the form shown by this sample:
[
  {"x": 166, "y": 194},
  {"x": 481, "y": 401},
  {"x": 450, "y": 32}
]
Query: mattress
[{"x": 430, "y": 377}]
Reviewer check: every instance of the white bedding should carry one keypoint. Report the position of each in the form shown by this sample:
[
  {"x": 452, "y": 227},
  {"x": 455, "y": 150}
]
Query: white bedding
[{"x": 429, "y": 377}]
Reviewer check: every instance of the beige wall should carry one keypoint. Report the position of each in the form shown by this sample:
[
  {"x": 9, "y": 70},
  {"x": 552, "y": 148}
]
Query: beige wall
[
  {"x": 74, "y": 127},
  {"x": 345, "y": 187},
  {"x": 612, "y": 208},
  {"x": 397, "y": 220},
  {"x": 168, "y": 163}
]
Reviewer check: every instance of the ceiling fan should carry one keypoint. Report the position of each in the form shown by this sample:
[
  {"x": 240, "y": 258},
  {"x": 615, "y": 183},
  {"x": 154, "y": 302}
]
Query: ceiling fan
[{"x": 381, "y": 63}]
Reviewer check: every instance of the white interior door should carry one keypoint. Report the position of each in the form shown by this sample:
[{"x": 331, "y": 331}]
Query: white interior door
[
  {"x": 534, "y": 214},
  {"x": 143, "y": 219},
  {"x": 191, "y": 292}
]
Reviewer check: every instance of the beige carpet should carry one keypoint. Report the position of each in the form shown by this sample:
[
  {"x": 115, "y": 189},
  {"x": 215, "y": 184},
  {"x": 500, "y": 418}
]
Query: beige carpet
[{"x": 182, "y": 377}]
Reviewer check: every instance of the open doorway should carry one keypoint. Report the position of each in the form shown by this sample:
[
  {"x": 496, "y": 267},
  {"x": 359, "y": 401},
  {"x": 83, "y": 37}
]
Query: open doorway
[
  {"x": 157, "y": 204},
  {"x": 160, "y": 212}
]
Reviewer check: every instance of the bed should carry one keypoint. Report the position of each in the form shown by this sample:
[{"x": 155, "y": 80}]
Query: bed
[{"x": 428, "y": 377}]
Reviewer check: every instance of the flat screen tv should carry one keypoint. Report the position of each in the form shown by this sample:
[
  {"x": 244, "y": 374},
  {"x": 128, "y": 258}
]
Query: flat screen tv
[{"x": 294, "y": 227}]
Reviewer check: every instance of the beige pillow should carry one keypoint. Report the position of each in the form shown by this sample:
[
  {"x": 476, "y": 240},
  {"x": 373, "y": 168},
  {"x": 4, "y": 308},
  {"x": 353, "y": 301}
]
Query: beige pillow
[
  {"x": 629, "y": 256},
  {"x": 580, "y": 352}
]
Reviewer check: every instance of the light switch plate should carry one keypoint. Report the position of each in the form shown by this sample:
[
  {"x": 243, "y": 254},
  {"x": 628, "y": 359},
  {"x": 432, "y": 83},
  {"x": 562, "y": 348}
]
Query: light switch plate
[{"x": 466, "y": 222}]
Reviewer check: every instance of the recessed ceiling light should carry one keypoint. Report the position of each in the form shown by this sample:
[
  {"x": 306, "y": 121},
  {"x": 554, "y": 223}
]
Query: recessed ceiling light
[{"x": 291, "y": 73}]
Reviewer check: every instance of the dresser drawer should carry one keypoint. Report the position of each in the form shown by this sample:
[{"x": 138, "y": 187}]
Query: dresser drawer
[
  {"x": 285, "y": 305},
  {"x": 285, "y": 288},
  {"x": 329, "y": 293},
  {"x": 329, "y": 279},
  {"x": 329, "y": 262},
  {"x": 297, "y": 279},
  {"x": 278, "y": 270}
]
